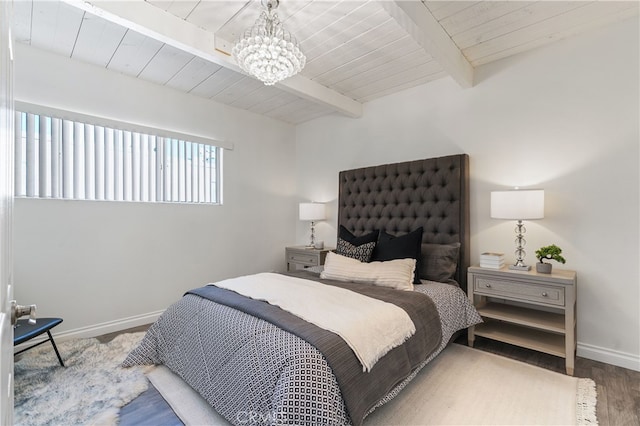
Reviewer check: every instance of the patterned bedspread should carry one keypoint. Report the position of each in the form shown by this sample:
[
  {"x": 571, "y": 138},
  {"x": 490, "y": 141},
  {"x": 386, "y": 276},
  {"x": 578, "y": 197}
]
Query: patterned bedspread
[{"x": 253, "y": 372}]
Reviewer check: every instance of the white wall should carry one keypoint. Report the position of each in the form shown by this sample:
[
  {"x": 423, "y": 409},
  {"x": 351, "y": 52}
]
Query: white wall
[
  {"x": 563, "y": 118},
  {"x": 105, "y": 265}
]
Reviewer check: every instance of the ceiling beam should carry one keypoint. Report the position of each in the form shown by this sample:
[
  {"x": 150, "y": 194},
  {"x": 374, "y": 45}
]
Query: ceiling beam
[
  {"x": 151, "y": 21},
  {"x": 424, "y": 28}
]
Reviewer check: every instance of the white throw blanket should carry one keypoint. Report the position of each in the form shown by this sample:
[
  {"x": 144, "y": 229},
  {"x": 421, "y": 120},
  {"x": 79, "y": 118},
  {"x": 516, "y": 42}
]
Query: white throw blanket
[{"x": 369, "y": 326}]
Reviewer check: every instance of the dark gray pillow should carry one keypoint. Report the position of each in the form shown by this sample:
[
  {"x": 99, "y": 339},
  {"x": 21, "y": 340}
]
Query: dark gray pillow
[
  {"x": 346, "y": 235},
  {"x": 439, "y": 262},
  {"x": 362, "y": 252}
]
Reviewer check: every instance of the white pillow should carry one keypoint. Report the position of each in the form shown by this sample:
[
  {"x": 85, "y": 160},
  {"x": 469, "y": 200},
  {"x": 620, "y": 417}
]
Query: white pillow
[{"x": 396, "y": 273}]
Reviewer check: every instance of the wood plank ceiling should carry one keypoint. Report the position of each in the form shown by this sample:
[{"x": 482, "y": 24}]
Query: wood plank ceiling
[{"x": 356, "y": 50}]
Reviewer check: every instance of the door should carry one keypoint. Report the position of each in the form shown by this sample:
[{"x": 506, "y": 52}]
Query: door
[{"x": 6, "y": 209}]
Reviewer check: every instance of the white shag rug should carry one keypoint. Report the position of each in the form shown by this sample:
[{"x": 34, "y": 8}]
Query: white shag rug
[{"x": 90, "y": 389}]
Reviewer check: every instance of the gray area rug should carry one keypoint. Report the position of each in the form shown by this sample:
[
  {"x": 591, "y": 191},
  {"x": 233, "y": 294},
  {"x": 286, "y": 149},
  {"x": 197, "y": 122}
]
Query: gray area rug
[
  {"x": 462, "y": 386},
  {"x": 90, "y": 389}
]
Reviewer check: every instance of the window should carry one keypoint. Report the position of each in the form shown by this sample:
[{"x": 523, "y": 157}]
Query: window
[{"x": 68, "y": 159}]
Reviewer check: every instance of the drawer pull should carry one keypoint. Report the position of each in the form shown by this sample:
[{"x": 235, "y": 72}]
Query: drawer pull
[
  {"x": 544, "y": 294},
  {"x": 488, "y": 285}
]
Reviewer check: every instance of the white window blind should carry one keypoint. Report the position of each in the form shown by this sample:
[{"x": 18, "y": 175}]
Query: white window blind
[{"x": 60, "y": 158}]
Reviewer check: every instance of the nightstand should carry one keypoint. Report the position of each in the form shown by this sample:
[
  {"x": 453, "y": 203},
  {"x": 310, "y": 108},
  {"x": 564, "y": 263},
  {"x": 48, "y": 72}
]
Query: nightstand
[
  {"x": 305, "y": 257},
  {"x": 527, "y": 309}
]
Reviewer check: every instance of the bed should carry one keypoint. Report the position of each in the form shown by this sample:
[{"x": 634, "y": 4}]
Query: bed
[{"x": 258, "y": 364}]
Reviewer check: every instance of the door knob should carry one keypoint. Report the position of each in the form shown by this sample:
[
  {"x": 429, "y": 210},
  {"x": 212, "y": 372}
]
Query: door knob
[{"x": 18, "y": 311}]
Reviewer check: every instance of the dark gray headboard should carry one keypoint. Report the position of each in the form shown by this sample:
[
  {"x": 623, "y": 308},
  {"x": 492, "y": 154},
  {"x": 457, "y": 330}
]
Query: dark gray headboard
[{"x": 398, "y": 198}]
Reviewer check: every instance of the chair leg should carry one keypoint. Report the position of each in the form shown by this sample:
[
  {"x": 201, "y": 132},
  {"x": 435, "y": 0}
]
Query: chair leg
[{"x": 55, "y": 348}]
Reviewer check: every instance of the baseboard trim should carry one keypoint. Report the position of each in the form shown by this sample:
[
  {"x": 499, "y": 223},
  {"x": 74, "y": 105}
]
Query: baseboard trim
[
  {"x": 609, "y": 356},
  {"x": 97, "y": 329}
]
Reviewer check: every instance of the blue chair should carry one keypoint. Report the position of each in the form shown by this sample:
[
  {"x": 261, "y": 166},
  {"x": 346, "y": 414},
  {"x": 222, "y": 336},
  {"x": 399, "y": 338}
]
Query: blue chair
[{"x": 24, "y": 331}]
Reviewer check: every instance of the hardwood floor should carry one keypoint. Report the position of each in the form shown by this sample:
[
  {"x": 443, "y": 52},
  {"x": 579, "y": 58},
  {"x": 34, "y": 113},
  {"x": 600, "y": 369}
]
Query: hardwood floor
[
  {"x": 108, "y": 337},
  {"x": 618, "y": 388}
]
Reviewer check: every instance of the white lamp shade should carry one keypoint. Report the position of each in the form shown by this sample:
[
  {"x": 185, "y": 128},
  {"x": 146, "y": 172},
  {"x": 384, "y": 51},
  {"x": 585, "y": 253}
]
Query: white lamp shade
[
  {"x": 312, "y": 211},
  {"x": 520, "y": 204}
]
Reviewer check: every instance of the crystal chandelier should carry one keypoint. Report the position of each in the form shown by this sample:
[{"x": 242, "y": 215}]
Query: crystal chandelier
[{"x": 267, "y": 51}]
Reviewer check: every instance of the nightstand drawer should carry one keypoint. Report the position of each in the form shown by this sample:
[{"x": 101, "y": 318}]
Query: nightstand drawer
[
  {"x": 519, "y": 291},
  {"x": 303, "y": 258}
]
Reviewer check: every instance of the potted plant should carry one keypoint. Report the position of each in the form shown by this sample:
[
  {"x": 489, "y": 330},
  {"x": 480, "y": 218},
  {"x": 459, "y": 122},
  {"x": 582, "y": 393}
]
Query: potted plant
[{"x": 551, "y": 252}]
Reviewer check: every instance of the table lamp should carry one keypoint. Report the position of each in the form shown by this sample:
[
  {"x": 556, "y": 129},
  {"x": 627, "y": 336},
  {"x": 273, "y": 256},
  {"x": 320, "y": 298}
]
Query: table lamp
[
  {"x": 312, "y": 212},
  {"x": 518, "y": 205}
]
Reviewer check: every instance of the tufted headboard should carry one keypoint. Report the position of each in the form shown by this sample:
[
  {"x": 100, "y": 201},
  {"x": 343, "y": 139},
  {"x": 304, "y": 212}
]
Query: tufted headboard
[{"x": 398, "y": 198}]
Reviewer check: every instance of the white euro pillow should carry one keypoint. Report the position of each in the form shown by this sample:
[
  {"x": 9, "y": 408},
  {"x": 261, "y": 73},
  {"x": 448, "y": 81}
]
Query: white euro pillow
[{"x": 396, "y": 273}]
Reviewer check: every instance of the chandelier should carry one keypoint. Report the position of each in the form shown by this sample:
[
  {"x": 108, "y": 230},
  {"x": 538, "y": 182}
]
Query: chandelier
[{"x": 267, "y": 51}]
